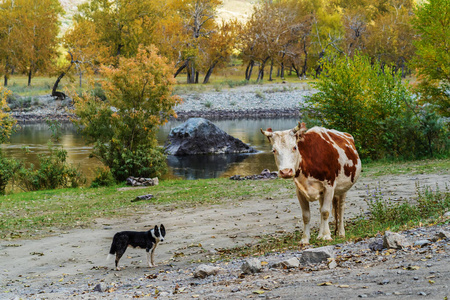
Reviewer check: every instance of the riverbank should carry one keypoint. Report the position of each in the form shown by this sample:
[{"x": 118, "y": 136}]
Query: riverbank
[{"x": 249, "y": 101}]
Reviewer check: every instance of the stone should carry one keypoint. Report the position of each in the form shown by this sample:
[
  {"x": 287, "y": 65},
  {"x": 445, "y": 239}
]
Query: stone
[
  {"x": 287, "y": 264},
  {"x": 100, "y": 287},
  {"x": 204, "y": 271},
  {"x": 394, "y": 240},
  {"x": 317, "y": 255},
  {"x": 442, "y": 234},
  {"x": 447, "y": 214},
  {"x": 252, "y": 265},
  {"x": 200, "y": 136},
  {"x": 332, "y": 264},
  {"x": 377, "y": 245},
  {"x": 422, "y": 243}
]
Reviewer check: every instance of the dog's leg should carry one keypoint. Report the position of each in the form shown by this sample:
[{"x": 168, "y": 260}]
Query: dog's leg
[
  {"x": 119, "y": 254},
  {"x": 152, "y": 256},
  {"x": 149, "y": 259}
]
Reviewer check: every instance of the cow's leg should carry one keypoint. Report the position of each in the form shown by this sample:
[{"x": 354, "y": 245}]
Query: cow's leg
[
  {"x": 325, "y": 209},
  {"x": 340, "y": 210},
  {"x": 304, "y": 204}
]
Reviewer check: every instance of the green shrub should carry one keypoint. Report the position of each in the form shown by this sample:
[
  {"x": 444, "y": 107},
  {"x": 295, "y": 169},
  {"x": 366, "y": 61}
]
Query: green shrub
[
  {"x": 53, "y": 172},
  {"x": 143, "y": 162},
  {"x": 103, "y": 177},
  {"x": 370, "y": 102},
  {"x": 8, "y": 167}
]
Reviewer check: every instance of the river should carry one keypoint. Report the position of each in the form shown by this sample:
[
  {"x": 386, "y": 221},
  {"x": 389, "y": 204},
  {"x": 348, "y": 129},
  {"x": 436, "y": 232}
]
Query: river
[{"x": 35, "y": 138}]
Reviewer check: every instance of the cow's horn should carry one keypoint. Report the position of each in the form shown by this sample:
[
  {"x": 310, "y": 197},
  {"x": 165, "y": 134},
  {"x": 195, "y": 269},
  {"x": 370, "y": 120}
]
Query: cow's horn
[
  {"x": 266, "y": 133},
  {"x": 297, "y": 128}
]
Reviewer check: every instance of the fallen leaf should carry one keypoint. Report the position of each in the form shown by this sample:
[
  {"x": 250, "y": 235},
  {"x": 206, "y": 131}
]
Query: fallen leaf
[
  {"x": 263, "y": 263},
  {"x": 431, "y": 281},
  {"x": 324, "y": 283},
  {"x": 259, "y": 292},
  {"x": 344, "y": 286}
]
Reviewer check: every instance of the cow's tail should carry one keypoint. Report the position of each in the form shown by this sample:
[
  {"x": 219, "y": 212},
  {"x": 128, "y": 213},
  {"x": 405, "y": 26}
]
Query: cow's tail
[{"x": 336, "y": 204}]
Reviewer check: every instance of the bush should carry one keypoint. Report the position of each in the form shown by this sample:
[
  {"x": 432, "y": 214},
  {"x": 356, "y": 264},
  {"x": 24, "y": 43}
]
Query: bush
[
  {"x": 370, "y": 102},
  {"x": 138, "y": 99},
  {"x": 103, "y": 177},
  {"x": 8, "y": 167},
  {"x": 53, "y": 172}
]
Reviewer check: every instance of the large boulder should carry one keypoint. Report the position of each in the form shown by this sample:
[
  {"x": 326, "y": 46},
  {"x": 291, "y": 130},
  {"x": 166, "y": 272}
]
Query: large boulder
[{"x": 200, "y": 136}]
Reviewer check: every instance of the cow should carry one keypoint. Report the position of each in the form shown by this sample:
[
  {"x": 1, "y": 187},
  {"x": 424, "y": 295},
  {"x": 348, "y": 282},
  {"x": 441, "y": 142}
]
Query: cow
[{"x": 324, "y": 164}]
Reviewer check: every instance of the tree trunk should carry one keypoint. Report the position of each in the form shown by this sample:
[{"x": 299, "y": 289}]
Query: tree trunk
[
  {"x": 282, "y": 71},
  {"x": 248, "y": 72},
  {"x": 208, "y": 74},
  {"x": 180, "y": 69},
  {"x": 261, "y": 70},
  {"x": 61, "y": 95},
  {"x": 296, "y": 71},
  {"x": 271, "y": 70},
  {"x": 29, "y": 78},
  {"x": 5, "y": 82},
  {"x": 196, "y": 77}
]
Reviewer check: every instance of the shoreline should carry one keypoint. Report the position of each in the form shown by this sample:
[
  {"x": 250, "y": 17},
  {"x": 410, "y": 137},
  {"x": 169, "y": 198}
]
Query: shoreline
[{"x": 250, "y": 101}]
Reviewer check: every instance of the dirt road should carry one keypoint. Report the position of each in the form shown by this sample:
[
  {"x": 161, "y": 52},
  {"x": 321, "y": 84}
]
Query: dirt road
[{"x": 72, "y": 264}]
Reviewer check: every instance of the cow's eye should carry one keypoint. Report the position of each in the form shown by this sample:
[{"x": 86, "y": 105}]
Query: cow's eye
[
  {"x": 295, "y": 148},
  {"x": 274, "y": 151}
]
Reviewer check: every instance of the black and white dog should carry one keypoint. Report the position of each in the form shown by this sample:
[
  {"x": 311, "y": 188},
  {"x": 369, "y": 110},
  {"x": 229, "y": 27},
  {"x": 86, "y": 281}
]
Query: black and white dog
[{"x": 147, "y": 240}]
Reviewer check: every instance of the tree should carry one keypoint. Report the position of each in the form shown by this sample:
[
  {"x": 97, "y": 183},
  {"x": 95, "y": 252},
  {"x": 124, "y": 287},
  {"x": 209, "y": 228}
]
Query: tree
[
  {"x": 123, "y": 127},
  {"x": 198, "y": 24},
  {"x": 432, "y": 61},
  {"x": 10, "y": 37},
  {"x": 220, "y": 47},
  {"x": 39, "y": 26},
  {"x": 121, "y": 25}
]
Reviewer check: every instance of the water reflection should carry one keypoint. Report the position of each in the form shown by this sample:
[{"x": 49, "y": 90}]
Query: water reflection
[{"x": 35, "y": 137}]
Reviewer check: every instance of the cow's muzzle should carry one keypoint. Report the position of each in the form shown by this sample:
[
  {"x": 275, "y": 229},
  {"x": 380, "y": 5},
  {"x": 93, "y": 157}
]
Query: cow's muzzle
[{"x": 286, "y": 173}]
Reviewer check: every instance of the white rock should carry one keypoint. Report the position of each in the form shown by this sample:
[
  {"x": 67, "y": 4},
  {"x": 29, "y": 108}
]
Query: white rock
[
  {"x": 317, "y": 255},
  {"x": 251, "y": 266},
  {"x": 204, "y": 271},
  {"x": 394, "y": 240}
]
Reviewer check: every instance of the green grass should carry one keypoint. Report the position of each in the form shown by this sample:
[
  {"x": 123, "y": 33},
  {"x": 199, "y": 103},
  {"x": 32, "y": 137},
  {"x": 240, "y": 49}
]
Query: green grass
[
  {"x": 425, "y": 166},
  {"x": 34, "y": 214}
]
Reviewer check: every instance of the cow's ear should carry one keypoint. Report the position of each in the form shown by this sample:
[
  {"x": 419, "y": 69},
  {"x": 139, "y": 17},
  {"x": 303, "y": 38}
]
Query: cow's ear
[{"x": 301, "y": 131}]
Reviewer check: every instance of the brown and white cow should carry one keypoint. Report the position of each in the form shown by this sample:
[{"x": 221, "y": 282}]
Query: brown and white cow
[{"x": 324, "y": 164}]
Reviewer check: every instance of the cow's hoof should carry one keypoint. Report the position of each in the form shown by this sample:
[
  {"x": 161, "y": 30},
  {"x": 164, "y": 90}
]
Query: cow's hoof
[
  {"x": 304, "y": 242},
  {"x": 326, "y": 237}
]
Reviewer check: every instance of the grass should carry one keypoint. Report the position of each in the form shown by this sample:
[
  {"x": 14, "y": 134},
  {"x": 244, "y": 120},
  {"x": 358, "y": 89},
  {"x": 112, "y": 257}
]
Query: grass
[
  {"x": 35, "y": 214},
  {"x": 380, "y": 168},
  {"x": 428, "y": 209}
]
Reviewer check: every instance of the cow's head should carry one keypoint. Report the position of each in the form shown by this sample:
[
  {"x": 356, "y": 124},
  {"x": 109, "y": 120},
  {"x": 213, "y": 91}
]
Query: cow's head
[{"x": 285, "y": 149}]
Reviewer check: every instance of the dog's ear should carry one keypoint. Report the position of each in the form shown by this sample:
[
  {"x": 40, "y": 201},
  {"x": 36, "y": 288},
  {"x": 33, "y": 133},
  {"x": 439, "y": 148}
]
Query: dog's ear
[
  {"x": 156, "y": 231},
  {"x": 162, "y": 230}
]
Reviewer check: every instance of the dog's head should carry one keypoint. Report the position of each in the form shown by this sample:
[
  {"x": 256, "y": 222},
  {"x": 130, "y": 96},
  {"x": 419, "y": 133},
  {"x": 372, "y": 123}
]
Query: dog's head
[{"x": 159, "y": 233}]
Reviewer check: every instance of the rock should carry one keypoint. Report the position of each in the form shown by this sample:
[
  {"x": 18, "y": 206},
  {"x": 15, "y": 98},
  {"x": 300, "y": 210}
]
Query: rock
[
  {"x": 143, "y": 197},
  {"x": 200, "y": 136},
  {"x": 394, "y": 240},
  {"x": 204, "y": 271},
  {"x": 377, "y": 245},
  {"x": 317, "y": 255},
  {"x": 265, "y": 174},
  {"x": 332, "y": 264},
  {"x": 287, "y": 264},
  {"x": 251, "y": 266},
  {"x": 422, "y": 243},
  {"x": 447, "y": 214},
  {"x": 140, "y": 181},
  {"x": 100, "y": 287},
  {"x": 442, "y": 234}
]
